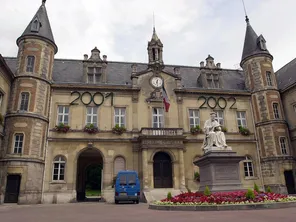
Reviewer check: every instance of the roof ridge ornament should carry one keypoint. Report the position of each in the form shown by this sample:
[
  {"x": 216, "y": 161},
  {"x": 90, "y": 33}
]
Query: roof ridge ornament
[
  {"x": 43, "y": 2},
  {"x": 246, "y": 15}
]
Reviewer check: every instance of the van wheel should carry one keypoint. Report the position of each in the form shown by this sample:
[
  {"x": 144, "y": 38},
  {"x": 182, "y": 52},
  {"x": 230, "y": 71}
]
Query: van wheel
[
  {"x": 137, "y": 202},
  {"x": 116, "y": 201}
]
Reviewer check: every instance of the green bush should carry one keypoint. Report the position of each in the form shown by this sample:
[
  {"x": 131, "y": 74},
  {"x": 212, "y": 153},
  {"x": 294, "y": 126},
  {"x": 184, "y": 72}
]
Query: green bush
[
  {"x": 256, "y": 188},
  {"x": 250, "y": 194},
  {"x": 268, "y": 190},
  {"x": 207, "y": 191},
  {"x": 196, "y": 176},
  {"x": 169, "y": 196}
]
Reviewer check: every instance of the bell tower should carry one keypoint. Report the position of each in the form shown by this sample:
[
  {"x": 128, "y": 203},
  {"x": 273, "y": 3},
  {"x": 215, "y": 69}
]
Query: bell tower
[
  {"x": 28, "y": 111},
  {"x": 155, "y": 50},
  {"x": 271, "y": 129}
]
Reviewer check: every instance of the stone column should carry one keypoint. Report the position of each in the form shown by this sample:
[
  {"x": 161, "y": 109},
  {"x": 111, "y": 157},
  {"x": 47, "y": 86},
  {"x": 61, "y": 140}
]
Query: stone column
[
  {"x": 181, "y": 170},
  {"x": 145, "y": 168},
  {"x": 107, "y": 178}
]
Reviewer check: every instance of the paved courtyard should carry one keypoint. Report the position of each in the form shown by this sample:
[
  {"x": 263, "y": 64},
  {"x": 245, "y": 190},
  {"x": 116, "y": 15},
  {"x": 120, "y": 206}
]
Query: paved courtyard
[{"x": 95, "y": 212}]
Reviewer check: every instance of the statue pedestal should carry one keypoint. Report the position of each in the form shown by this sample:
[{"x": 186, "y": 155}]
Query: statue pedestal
[{"x": 219, "y": 170}]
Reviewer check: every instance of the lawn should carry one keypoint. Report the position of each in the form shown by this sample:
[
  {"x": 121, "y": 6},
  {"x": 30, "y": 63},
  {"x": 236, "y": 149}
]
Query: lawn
[{"x": 90, "y": 193}]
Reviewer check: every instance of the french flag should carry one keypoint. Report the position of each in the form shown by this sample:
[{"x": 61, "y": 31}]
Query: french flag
[{"x": 166, "y": 100}]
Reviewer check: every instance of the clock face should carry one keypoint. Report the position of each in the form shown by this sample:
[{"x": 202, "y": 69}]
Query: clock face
[{"x": 156, "y": 81}]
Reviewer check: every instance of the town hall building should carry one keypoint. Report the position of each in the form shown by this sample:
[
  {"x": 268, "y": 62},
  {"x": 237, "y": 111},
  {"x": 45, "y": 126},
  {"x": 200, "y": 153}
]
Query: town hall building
[{"x": 58, "y": 117}]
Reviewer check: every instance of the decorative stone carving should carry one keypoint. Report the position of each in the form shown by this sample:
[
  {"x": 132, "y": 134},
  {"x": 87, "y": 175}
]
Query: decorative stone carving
[{"x": 214, "y": 138}]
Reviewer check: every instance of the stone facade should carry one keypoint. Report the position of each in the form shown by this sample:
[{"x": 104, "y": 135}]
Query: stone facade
[{"x": 51, "y": 165}]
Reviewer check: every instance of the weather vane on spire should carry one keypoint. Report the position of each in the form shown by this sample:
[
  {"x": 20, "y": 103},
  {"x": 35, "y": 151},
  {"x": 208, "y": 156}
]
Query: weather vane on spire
[{"x": 247, "y": 19}]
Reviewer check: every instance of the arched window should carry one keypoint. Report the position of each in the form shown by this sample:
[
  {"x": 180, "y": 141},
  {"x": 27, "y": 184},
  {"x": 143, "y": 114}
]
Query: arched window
[
  {"x": 248, "y": 167},
  {"x": 59, "y": 164},
  {"x": 119, "y": 164}
]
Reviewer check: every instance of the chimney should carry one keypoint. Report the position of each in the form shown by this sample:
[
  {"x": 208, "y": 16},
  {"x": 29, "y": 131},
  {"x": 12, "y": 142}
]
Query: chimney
[
  {"x": 218, "y": 65},
  {"x": 104, "y": 58},
  {"x": 134, "y": 68},
  {"x": 85, "y": 56},
  {"x": 202, "y": 64},
  {"x": 177, "y": 70}
]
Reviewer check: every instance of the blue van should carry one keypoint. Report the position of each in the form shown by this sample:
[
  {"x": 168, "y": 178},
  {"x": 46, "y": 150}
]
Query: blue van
[{"x": 127, "y": 187}]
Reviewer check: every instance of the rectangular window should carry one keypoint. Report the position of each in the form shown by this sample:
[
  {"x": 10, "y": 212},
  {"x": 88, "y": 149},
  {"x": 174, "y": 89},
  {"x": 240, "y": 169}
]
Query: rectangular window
[
  {"x": 18, "y": 143},
  {"x": 193, "y": 118},
  {"x": 276, "y": 110},
  {"x": 241, "y": 118},
  {"x": 119, "y": 116},
  {"x": 63, "y": 115},
  {"x": 94, "y": 74},
  {"x": 248, "y": 168},
  {"x": 220, "y": 117},
  {"x": 30, "y": 63},
  {"x": 283, "y": 145},
  {"x": 157, "y": 118},
  {"x": 268, "y": 78},
  {"x": 92, "y": 116},
  {"x": 1, "y": 99},
  {"x": 24, "y": 101}
]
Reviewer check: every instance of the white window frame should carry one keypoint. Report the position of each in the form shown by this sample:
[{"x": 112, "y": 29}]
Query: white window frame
[
  {"x": 195, "y": 117},
  {"x": 30, "y": 63},
  {"x": 283, "y": 145},
  {"x": 121, "y": 114},
  {"x": 60, "y": 161},
  {"x": 276, "y": 112},
  {"x": 240, "y": 119},
  {"x": 220, "y": 117},
  {"x": 159, "y": 116},
  {"x": 95, "y": 74},
  {"x": 269, "y": 78},
  {"x": 63, "y": 114},
  {"x": 18, "y": 139},
  {"x": 248, "y": 163},
  {"x": 93, "y": 114},
  {"x": 24, "y": 102}
]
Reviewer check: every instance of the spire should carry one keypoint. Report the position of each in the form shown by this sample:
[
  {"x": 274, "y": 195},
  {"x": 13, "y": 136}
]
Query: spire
[
  {"x": 253, "y": 44},
  {"x": 39, "y": 26},
  {"x": 154, "y": 36}
]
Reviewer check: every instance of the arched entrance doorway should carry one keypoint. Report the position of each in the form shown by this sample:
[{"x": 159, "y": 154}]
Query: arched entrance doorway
[
  {"x": 162, "y": 170},
  {"x": 89, "y": 175}
]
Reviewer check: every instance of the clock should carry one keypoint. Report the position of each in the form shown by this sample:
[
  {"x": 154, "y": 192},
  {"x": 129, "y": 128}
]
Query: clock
[{"x": 156, "y": 82}]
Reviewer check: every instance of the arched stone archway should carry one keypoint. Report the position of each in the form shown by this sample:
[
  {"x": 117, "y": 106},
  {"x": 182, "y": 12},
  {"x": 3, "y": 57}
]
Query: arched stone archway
[
  {"x": 162, "y": 170},
  {"x": 89, "y": 160}
]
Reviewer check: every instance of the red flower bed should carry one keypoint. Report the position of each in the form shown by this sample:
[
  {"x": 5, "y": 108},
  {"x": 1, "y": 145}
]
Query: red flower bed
[{"x": 222, "y": 197}]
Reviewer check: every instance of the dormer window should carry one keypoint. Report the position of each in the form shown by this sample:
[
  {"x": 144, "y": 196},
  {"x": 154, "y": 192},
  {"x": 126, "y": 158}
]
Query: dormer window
[
  {"x": 94, "y": 74},
  {"x": 262, "y": 43},
  {"x": 35, "y": 25},
  {"x": 213, "y": 81}
]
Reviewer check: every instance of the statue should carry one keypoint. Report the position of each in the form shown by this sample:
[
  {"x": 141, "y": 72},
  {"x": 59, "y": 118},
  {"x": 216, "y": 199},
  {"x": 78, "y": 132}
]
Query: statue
[{"x": 215, "y": 138}]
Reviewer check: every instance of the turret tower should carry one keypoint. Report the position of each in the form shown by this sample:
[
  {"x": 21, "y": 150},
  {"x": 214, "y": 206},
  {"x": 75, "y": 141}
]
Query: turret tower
[
  {"x": 28, "y": 111},
  {"x": 271, "y": 129}
]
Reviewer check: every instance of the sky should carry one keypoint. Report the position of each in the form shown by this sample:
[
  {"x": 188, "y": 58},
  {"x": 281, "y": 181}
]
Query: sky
[{"x": 189, "y": 29}]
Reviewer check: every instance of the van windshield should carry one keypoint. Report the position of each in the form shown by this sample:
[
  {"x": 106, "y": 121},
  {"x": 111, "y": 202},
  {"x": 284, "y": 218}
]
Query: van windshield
[
  {"x": 122, "y": 180},
  {"x": 132, "y": 179}
]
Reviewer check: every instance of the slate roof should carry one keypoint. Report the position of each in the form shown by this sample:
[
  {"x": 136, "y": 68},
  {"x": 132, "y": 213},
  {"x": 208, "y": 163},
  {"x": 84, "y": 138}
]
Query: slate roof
[
  {"x": 44, "y": 30},
  {"x": 286, "y": 76},
  {"x": 251, "y": 43},
  {"x": 119, "y": 73}
]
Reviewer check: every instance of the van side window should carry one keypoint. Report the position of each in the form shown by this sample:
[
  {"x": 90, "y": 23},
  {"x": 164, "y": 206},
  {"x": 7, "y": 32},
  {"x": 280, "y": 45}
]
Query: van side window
[
  {"x": 122, "y": 180},
  {"x": 132, "y": 179}
]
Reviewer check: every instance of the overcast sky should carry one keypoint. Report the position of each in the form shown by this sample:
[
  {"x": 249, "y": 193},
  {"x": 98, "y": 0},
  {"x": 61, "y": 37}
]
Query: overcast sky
[{"x": 189, "y": 29}]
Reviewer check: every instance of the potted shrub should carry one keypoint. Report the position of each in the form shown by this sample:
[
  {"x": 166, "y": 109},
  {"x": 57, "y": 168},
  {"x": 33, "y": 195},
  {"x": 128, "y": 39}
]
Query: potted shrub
[
  {"x": 118, "y": 129},
  {"x": 62, "y": 128},
  {"x": 91, "y": 129},
  {"x": 1, "y": 119},
  {"x": 195, "y": 130},
  {"x": 197, "y": 176},
  {"x": 223, "y": 129},
  {"x": 244, "y": 131}
]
